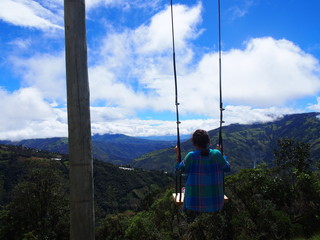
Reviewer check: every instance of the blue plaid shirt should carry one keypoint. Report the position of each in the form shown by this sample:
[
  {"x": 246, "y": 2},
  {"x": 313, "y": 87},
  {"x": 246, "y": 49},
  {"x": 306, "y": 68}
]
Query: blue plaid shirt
[{"x": 204, "y": 183}]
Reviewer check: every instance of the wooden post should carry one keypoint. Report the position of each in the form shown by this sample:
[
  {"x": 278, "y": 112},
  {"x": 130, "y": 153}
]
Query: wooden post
[{"x": 79, "y": 127}]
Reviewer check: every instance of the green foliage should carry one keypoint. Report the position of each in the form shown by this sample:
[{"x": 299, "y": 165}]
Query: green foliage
[
  {"x": 255, "y": 206},
  {"x": 159, "y": 220},
  {"x": 281, "y": 202},
  {"x": 168, "y": 219},
  {"x": 39, "y": 205},
  {"x": 263, "y": 204},
  {"x": 34, "y": 189},
  {"x": 268, "y": 204},
  {"x": 142, "y": 226},
  {"x": 162, "y": 159},
  {"x": 113, "y": 227},
  {"x": 118, "y": 190},
  {"x": 294, "y": 157}
]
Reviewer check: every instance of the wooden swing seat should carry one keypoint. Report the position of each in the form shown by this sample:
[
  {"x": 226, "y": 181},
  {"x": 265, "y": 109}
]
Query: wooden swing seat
[
  {"x": 226, "y": 199},
  {"x": 179, "y": 202}
]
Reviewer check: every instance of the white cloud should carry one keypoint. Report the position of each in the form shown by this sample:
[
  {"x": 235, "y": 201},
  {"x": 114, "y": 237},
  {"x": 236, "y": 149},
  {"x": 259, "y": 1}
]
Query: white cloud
[
  {"x": 232, "y": 114},
  {"x": 135, "y": 66},
  {"x": 123, "y": 4},
  {"x": 248, "y": 115},
  {"x": 44, "y": 72},
  {"x": 106, "y": 114},
  {"x": 105, "y": 87},
  {"x": 139, "y": 127},
  {"x": 28, "y": 13},
  {"x": 43, "y": 129},
  {"x": 156, "y": 37},
  {"x": 24, "y": 114},
  {"x": 21, "y": 44},
  {"x": 151, "y": 42},
  {"x": 131, "y": 72},
  {"x": 138, "y": 62},
  {"x": 238, "y": 11},
  {"x": 266, "y": 73},
  {"x": 315, "y": 107},
  {"x": 269, "y": 72}
]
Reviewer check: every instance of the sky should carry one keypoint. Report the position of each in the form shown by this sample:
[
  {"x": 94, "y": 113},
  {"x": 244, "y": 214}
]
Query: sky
[{"x": 270, "y": 65}]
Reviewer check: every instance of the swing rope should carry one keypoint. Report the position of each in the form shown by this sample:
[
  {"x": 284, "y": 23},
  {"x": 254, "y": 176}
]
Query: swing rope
[
  {"x": 220, "y": 91},
  {"x": 178, "y": 176},
  {"x": 220, "y": 82}
]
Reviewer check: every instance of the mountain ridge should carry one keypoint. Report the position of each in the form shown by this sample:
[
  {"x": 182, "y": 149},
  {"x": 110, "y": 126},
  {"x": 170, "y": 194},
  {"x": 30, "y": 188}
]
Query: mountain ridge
[
  {"x": 247, "y": 144},
  {"x": 114, "y": 148},
  {"x": 117, "y": 188}
]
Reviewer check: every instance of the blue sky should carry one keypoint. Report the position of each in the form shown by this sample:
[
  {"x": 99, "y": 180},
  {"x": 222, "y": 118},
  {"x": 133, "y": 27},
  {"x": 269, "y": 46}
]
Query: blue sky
[{"x": 270, "y": 64}]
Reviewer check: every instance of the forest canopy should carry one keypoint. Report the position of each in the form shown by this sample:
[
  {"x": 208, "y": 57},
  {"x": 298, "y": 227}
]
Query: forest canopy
[{"x": 278, "y": 202}]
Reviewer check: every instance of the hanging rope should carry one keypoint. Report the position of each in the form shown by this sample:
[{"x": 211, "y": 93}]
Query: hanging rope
[
  {"x": 178, "y": 176},
  {"x": 220, "y": 91},
  {"x": 220, "y": 77}
]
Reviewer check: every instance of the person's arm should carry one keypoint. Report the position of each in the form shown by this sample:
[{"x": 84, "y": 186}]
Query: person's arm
[
  {"x": 226, "y": 167},
  {"x": 182, "y": 166},
  {"x": 178, "y": 165}
]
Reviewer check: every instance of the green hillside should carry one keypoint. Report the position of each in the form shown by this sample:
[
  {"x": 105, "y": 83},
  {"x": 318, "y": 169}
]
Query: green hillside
[
  {"x": 114, "y": 148},
  {"x": 246, "y": 145},
  {"x": 116, "y": 189},
  {"x": 279, "y": 202}
]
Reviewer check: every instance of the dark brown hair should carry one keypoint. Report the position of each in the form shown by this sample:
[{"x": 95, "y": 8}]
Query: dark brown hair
[{"x": 201, "y": 139}]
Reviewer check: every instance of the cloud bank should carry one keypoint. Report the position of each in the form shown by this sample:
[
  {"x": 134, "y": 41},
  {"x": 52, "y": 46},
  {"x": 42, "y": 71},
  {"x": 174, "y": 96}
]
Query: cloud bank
[
  {"x": 131, "y": 76},
  {"x": 28, "y": 13}
]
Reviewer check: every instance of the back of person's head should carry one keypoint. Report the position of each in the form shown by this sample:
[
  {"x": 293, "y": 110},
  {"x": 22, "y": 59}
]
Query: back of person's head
[{"x": 200, "y": 138}]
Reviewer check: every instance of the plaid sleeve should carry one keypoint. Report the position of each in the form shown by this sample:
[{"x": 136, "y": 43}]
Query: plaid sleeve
[
  {"x": 184, "y": 165},
  {"x": 223, "y": 160},
  {"x": 187, "y": 162},
  {"x": 227, "y": 167},
  {"x": 179, "y": 166}
]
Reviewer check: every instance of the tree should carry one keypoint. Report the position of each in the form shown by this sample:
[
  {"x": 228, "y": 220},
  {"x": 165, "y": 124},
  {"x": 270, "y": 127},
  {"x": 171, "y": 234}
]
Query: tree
[
  {"x": 263, "y": 204},
  {"x": 293, "y": 156},
  {"x": 39, "y": 205},
  {"x": 294, "y": 166},
  {"x": 113, "y": 227}
]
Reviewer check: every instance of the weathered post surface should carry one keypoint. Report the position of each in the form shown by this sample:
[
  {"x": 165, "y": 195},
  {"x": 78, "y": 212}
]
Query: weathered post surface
[{"x": 79, "y": 127}]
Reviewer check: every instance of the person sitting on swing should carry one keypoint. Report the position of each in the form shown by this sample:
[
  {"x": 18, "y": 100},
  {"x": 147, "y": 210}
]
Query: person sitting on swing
[{"x": 204, "y": 168}]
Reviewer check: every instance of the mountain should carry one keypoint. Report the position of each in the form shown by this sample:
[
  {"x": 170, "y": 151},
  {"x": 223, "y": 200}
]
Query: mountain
[
  {"x": 247, "y": 145},
  {"x": 113, "y": 148},
  {"x": 123, "y": 148},
  {"x": 116, "y": 188},
  {"x": 171, "y": 138},
  {"x": 276, "y": 203}
]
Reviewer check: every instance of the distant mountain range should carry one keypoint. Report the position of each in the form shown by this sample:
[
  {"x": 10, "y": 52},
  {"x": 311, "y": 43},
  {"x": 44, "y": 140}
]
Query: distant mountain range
[
  {"x": 247, "y": 145},
  {"x": 171, "y": 138},
  {"x": 114, "y": 148}
]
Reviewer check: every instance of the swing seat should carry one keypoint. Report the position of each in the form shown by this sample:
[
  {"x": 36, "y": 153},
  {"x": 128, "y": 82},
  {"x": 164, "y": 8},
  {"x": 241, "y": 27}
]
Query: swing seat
[
  {"x": 226, "y": 199},
  {"x": 177, "y": 200}
]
